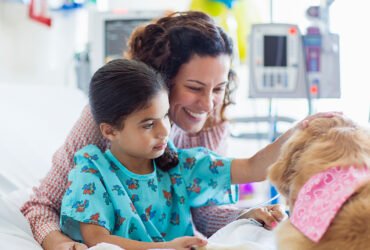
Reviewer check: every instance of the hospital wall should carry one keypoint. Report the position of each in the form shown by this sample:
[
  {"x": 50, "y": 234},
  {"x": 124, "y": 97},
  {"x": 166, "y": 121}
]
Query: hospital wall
[{"x": 31, "y": 53}]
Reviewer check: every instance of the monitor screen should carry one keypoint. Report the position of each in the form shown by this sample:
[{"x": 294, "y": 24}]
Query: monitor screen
[
  {"x": 275, "y": 51},
  {"x": 117, "y": 33}
]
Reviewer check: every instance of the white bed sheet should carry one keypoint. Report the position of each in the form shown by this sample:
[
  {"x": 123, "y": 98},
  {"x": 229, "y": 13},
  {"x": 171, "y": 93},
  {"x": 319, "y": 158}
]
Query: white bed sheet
[{"x": 35, "y": 120}]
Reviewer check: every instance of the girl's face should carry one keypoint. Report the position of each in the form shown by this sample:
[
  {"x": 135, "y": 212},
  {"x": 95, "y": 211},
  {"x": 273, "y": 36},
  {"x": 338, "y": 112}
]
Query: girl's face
[
  {"x": 144, "y": 134},
  {"x": 197, "y": 89}
]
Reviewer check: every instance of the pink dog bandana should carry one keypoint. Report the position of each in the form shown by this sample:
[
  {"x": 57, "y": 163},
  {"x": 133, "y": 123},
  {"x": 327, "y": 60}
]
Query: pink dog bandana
[{"x": 322, "y": 196}]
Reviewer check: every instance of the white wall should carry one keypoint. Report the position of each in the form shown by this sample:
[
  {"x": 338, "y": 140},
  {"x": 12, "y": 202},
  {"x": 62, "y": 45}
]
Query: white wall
[
  {"x": 32, "y": 53},
  {"x": 351, "y": 20},
  {"x": 147, "y": 4}
]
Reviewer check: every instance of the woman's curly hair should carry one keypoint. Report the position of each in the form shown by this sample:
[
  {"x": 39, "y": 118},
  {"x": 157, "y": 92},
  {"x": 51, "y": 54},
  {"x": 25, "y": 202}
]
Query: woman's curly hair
[{"x": 171, "y": 41}]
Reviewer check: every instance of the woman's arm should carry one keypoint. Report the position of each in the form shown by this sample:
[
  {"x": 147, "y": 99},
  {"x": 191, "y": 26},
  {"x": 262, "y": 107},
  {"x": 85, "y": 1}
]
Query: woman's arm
[
  {"x": 42, "y": 210},
  {"x": 254, "y": 169},
  {"x": 211, "y": 218},
  {"x": 94, "y": 234}
]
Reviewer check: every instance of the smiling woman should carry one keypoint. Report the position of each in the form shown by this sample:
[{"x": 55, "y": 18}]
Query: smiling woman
[{"x": 197, "y": 90}]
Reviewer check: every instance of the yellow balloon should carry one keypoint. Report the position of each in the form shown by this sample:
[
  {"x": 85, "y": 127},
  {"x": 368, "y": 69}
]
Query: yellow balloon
[
  {"x": 243, "y": 13},
  {"x": 212, "y": 8}
]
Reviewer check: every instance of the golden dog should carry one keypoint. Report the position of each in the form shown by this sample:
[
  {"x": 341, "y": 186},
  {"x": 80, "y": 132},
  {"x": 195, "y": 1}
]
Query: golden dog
[{"x": 325, "y": 144}]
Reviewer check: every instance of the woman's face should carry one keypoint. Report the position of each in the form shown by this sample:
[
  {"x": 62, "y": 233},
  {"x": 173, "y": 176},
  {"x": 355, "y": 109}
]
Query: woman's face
[{"x": 197, "y": 89}]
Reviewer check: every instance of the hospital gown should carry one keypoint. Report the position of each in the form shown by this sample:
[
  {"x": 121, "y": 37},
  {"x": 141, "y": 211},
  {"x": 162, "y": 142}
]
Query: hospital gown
[{"x": 153, "y": 207}]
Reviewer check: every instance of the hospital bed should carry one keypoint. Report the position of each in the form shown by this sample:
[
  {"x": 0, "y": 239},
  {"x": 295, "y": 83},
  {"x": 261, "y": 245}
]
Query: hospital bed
[{"x": 35, "y": 119}]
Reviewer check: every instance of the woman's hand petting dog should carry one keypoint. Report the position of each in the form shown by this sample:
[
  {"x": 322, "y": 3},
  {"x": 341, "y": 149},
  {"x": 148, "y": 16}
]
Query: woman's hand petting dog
[
  {"x": 305, "y": 122},
  {"x": 268, "y": 216}
]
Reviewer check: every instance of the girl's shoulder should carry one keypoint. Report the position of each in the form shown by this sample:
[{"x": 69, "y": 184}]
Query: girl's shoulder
[
  {"x": 90, "y": 149},
  {"x": 89, "y": 156}
]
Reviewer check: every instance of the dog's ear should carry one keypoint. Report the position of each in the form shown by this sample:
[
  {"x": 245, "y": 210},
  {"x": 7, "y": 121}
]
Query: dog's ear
[{"x": 283, "y": 170}]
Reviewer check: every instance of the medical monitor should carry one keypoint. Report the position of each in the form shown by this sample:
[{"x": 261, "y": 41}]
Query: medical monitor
[
  {"x": 109, "y": 33},
  {"x": 283, "y": 63},
  {"x": 276, "y": 62},
  {"x": 274, "y": 51}
]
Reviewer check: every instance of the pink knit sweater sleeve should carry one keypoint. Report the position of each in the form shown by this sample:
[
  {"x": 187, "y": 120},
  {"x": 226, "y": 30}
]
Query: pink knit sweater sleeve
[
  {"x": 42, "y": 210},
  {"x": 209, "y": 219}
]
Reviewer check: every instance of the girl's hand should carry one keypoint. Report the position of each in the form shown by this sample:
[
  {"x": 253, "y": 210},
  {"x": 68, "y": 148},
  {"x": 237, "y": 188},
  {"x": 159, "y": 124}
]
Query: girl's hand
[
  {"x": 186, "y": 243},
  {"x": 58, "y": 241},
  {"x": 71, "y": 246},
  {"x": 268, "y": 216}
]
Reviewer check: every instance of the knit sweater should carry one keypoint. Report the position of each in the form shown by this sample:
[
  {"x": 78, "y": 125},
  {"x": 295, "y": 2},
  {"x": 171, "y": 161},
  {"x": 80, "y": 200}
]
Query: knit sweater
[{"x": 43, "y": 208}]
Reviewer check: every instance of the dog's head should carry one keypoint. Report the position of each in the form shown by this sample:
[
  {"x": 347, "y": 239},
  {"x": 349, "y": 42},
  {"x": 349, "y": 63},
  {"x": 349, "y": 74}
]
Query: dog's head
[{"x": 325, "y": 143}]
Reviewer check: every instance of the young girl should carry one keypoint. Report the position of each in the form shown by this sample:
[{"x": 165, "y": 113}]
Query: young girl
[{"x": 124, "y": 197}]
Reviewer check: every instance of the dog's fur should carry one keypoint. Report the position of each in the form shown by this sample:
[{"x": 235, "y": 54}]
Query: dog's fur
[{"x": 325, "y": 143}]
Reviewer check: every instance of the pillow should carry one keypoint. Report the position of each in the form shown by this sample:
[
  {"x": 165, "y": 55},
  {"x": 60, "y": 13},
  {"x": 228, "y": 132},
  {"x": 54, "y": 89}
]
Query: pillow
[{"x": 15, "y": 232}]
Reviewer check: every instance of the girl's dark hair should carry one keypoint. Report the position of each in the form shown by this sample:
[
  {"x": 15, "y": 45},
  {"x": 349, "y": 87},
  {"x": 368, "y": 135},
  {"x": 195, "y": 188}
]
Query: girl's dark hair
[
  {"x": 171, "y": 41},
  {"x": 122, "y": 87}
]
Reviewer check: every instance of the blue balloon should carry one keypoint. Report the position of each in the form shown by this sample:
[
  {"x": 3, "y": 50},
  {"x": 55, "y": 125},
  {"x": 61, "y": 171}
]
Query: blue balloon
[{"x": 229, "y": 3}]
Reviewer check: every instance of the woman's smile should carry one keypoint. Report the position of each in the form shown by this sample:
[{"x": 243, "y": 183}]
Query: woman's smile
[{"x": 196, "y": 116}]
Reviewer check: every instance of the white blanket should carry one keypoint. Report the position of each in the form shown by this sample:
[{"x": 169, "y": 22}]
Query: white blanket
[
  {"x": 239, "y": 235},
  {"x": 242, "y": 235}
]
